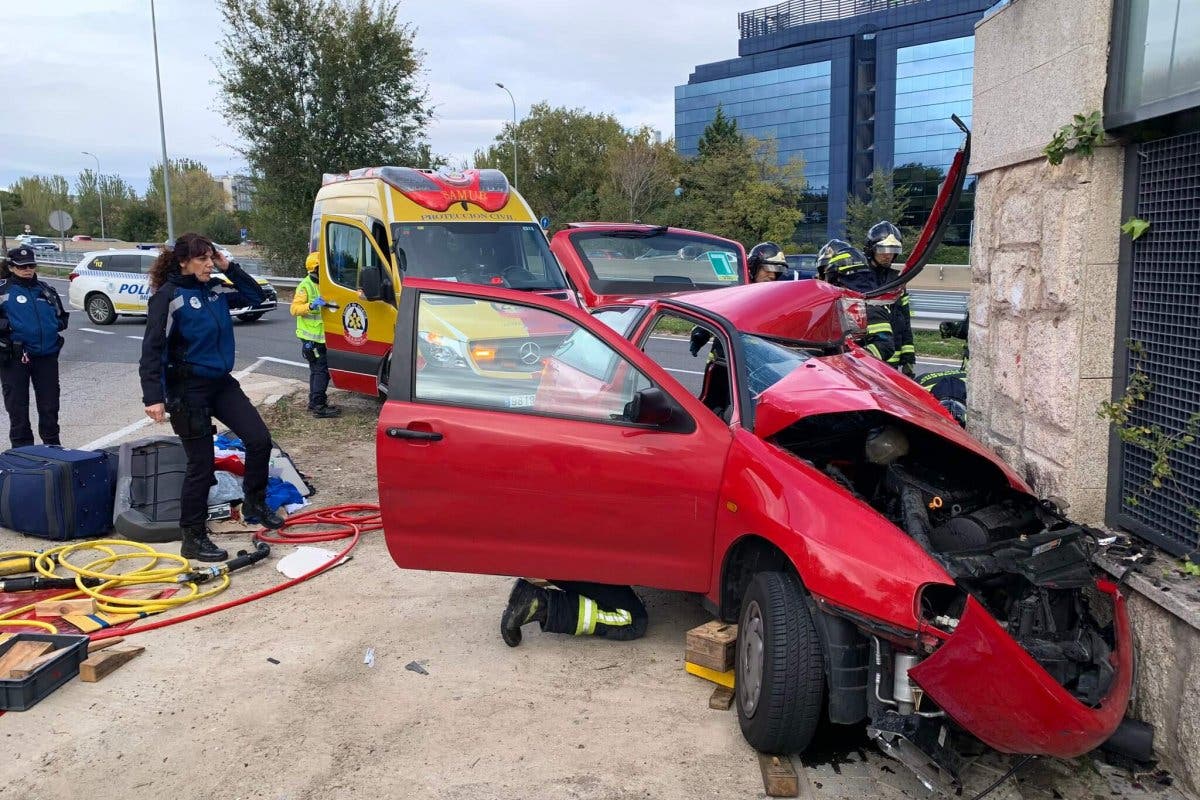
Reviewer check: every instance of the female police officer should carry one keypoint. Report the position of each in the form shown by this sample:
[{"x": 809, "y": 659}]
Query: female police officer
[
  {"x": 187, "y": 355},
  {"x": 31, "y": 317}
]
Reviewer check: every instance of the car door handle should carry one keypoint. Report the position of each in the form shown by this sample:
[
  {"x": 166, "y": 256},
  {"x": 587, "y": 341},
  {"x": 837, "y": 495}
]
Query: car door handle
[{"x": 405, "y": 433}]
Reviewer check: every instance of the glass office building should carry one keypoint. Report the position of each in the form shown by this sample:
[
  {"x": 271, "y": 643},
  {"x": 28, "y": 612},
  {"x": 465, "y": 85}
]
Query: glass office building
[{"x": 871, "y": 87}]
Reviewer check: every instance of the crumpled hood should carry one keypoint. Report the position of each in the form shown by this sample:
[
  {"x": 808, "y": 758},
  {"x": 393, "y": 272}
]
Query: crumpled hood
[{"x": 856, "y": 381}]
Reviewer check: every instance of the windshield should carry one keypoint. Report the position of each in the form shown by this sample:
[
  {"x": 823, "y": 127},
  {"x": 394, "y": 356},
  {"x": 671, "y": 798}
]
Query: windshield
[
  {"x": 511, "y": 254},
  {"x": 641, "y": 261},
  {"x": 767, "y": 362}
]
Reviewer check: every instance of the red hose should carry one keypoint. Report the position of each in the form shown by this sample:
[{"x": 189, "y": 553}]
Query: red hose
[{"x": 349, "y": 521}]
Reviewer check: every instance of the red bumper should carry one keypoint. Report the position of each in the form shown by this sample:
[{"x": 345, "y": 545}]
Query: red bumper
[{"x": 989, "y": 685}]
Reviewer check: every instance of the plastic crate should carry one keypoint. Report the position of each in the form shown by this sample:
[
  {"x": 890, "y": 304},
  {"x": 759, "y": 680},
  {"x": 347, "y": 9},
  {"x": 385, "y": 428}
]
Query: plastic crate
[{"x": 23, "y": 693}]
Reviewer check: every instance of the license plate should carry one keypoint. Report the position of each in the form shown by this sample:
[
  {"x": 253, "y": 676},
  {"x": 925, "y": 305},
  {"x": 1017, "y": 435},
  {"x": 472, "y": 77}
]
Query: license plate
[{"x": 521, "y": 400}]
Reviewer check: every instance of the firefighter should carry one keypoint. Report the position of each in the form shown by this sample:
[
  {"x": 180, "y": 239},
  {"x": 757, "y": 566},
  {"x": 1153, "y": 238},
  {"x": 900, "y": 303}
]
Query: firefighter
[
  {"x": 185, "y": 369},
  {"x": 32, "y": 318},
  {"x": 883, "y": 245},
  {"x": 574, "y": 607},
  {"x": 842, "y": 264},
  {"x": 950, "y": 386},
  {"x": 767, "y": 262},
  {"x": 310, "y": 330}
]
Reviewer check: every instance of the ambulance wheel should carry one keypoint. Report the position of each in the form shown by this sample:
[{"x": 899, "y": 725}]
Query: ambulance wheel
[
  {"x": 100, "y": 309},
  {"x": 252, "y": 317}
]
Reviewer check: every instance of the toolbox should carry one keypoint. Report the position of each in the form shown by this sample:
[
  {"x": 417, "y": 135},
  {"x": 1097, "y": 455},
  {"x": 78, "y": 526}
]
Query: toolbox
[{"x": 23, "y": 693}]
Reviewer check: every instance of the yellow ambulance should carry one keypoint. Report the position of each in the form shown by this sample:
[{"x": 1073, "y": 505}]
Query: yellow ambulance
[{"x": 373, "y": 227}]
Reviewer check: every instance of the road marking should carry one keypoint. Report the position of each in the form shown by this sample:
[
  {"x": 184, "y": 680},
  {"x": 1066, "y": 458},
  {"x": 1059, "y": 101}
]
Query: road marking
[
  {"x": 274, "y": 360},
  {"x": 684, "y": 371},
  {"x": 139, "y": 338},
  {"x": 108, "y": 439},
  {"x": 93, "y": 330}
]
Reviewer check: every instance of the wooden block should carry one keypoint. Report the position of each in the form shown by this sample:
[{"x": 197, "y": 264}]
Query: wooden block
[
  {"x": 26, "y": 669},
  {"x": 61, "y": 608},
  {"x": 21, "y": 652},
  {"x": 101, "y": 664},
  {"x": 100, "y": 644},
  {"x": 722, "y": 698},
  {"x": 779, "y": 777},
  {"x": 719, "y": 678},
  {"x": 711, "y": 645}
]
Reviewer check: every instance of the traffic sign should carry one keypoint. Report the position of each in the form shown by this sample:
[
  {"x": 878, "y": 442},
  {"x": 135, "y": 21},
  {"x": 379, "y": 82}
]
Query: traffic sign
[
  {"x": 545, "y": 223},
  {"x": 61, "y": 221}
]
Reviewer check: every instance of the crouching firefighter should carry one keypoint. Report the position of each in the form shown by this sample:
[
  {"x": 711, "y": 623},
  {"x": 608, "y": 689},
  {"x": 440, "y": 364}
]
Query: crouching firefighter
[
  {"x": 883, "y": 246},
  {"x": 842, "y": 264},
  {"x": 187, "y": 356},
  {"x": 575, "y": 607}
]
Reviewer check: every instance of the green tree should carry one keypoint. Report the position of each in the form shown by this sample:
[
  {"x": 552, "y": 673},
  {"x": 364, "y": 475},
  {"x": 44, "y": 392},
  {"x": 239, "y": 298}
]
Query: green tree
[
  {"x": 39, "y": 196},
  {"x": 720, "y": 134},
  {"x": 10, "y": 209},
  {"x": 140, "y": 223},
  {"x": 886, "y": 201},
  {"x": 563, "y": 159},
  {"x": 196, "y": 197},
  {"x": 641, "y": 177},
  {"x": 89, "y": 188},
  {"x": 316, "y": 86}
]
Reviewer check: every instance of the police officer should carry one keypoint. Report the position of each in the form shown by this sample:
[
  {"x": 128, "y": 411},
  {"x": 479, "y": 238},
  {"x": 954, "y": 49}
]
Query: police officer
[
  {"x": 884, "y": 243},
  {"x": 841, "y": 264},
  {"x": 187, "y": 356},
  {"x": 32, "y": 318},
  {"x": 574, "y": 607},
  {"x": 310, "y": 330}
]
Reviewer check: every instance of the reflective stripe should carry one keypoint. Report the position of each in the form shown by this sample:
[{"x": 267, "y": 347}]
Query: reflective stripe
[
  {"x": 904, "y": 300},
  {"x": 585, "y": 621},
  {"x": 615, "y": 619},
  {"x": 879, "y": 327},
  {"x": 848, "y": 267},
  {"x": 873, "y": 350},
  {"x": 839, "y": 257},
  {"x": 895, "y": 359},
  {"x": 175, "y": 304},
  {"x": 908, "y": 348}
]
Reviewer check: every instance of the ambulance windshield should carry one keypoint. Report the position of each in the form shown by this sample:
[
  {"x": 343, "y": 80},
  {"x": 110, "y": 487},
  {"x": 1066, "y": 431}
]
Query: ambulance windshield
[{"x": 510, "y": 254}]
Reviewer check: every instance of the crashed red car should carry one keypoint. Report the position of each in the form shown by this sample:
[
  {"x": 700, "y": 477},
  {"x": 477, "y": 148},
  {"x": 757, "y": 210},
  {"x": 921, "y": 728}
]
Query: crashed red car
[
  {"x": 610, "y": 262},
  {"x": 884, "y": 567}
]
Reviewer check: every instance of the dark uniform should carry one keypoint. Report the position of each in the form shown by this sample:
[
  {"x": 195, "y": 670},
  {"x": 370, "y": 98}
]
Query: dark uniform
[
  {"x": 843, "y": 264},
  {"x": 575, "y": 607},
  {"x": 32, "y": 319},
  {"x": 187, "y": 357},
  {"x": 883, "y": 240}
]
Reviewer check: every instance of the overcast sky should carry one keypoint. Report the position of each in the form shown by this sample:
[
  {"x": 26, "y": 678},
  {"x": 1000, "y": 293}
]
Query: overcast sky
[{"x": 79, "y": 74}]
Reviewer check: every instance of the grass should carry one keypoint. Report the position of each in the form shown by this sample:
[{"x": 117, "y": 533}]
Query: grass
[
  {"x": 932, "y": 345},
  {"x": 289, "y": 418}
]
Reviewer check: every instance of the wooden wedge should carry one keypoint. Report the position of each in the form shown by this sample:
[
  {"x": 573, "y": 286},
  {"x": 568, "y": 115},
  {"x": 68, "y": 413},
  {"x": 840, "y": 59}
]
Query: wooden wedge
[
  {"x": 20, "y": 653},
  {"x": 100, "y": 665}
]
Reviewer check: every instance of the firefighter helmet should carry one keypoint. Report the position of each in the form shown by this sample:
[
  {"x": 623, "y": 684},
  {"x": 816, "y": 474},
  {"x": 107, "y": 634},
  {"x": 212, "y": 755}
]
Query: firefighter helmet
[
  {"x": 884, "y": 237},
  {"x": 838, "y": 256},
  {"x": 768, "y": 256}
]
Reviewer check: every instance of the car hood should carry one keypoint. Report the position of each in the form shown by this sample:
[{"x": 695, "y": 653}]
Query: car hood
[{"x": 856, "y": 381}]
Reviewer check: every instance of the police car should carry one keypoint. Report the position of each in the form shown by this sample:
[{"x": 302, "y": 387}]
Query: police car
[{"x": 109, "y": 283}]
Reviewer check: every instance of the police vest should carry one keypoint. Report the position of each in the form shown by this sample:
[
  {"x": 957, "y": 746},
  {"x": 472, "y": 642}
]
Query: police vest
[{"x": 310, "y": 326}]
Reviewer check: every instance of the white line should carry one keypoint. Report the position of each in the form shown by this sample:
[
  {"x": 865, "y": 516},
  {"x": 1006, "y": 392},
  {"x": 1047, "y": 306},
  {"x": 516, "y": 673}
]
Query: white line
[
  {"x": 274, "y": 360},
  {"x": 139, "y": 338},
  {"x": 684, "y": 371},
  {"x": 93, "y": 330}
]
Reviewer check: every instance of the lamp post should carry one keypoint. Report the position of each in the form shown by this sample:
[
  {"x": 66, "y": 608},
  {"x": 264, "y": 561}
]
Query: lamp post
[
  {"x": 162, "y": 130},
  {"x": 99, "y": 191},
  {"x": 514, "y": 132}
]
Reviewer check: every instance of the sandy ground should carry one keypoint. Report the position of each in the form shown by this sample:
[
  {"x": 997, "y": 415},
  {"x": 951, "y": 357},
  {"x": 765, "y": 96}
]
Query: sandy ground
[{"x": 204, "y": 713}]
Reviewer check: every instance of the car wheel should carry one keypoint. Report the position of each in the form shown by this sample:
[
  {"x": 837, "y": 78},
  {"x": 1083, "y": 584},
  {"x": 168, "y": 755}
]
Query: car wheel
[
  {"x": 779, "y": 669},
  {"x": 255, "y": 317},
  {"x": 100, "y": 309}
]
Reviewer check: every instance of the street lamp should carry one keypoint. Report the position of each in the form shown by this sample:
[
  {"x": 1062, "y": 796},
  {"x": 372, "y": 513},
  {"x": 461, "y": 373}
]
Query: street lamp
[
  {"x": 514, "y": 133},
  {"x": 99, "y": 191},
  {"x": 162, "y": 130}
]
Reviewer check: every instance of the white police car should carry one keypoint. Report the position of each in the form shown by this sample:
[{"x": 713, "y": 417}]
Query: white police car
[{"x": 109, "y": 283}]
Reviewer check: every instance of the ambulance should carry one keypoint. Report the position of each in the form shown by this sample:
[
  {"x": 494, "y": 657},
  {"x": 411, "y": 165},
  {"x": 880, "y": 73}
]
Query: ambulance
[{"x": 377, "y": 226}]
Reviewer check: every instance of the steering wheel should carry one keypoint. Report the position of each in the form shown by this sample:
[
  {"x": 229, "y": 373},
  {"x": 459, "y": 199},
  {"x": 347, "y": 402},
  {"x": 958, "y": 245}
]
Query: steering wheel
[
  {"x": 482, "y": 274},
  {"x": 515, "y": 276}
]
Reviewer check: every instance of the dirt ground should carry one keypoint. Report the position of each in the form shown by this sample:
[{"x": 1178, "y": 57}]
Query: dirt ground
[{"x": 204, "y": 713}]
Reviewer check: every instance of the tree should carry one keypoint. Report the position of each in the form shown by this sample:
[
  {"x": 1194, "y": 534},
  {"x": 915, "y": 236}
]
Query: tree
[
  {"x": 196, "y": 197},
  {"x": 89, "y": 188},
  {"x": 642, "y": 173},
  {"x": 886, "y": 201},
  {"x": 10, "y": 209},
  {"x": 140, "y": 223},
  {"x": 563, "y": 160},
  {"x": 317, "y": 86},
  {"x": 39, "y": 196},
  {"x": 720, "y": 134}
]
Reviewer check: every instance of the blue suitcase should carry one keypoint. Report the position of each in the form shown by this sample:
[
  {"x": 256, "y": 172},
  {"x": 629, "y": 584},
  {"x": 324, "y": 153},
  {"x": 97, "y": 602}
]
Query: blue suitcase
[{"x": 55, "y": 493}]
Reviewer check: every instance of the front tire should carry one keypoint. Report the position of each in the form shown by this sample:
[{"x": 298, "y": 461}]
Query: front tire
[
  {"x": 779, "y": 667},
  {"x": 100, "y": 310}
]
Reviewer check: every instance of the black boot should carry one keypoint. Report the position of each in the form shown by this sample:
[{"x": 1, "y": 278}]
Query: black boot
[
  {"x": 255, "y": 506},
  {"x": 197, "y": 545},
  {"x": 325, "y": 412},
  {"x": 526, "y": 604}
]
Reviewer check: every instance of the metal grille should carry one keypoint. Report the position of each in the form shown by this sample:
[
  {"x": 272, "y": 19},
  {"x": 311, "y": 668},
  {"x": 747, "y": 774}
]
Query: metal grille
[
  {"x": 791, "y": 14},
  {"x": 1164, "y": 317}
]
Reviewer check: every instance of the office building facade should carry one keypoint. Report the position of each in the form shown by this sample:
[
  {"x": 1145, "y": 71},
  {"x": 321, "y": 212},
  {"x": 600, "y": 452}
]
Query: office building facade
[{"x": 848, "y": 86}]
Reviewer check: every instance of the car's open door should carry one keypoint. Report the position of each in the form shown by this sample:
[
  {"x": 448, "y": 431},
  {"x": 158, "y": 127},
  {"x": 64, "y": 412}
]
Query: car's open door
[{"x": 523, "y": 437}]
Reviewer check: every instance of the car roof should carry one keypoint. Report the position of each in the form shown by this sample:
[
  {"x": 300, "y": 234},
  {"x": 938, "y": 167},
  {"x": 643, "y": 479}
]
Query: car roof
[{"x": 127, "y": 251}]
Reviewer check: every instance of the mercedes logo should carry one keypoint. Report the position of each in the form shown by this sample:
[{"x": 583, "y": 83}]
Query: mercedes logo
[{"x": 530, "y": 353}]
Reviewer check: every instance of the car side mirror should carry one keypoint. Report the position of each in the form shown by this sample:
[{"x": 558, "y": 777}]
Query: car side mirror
[
  {"x": 370, "y": 280},
  {"x": 650, "y": 406}
]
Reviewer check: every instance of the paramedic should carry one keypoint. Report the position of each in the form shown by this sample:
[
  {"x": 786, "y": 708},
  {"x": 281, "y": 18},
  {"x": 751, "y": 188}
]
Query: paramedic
[
  {"x": 310, "y": 330},
  {"x": 187, "y": 357}
]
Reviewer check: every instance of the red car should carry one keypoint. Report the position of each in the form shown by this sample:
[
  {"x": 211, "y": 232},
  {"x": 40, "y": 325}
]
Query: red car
[
  {"x": 612, "y": 261},
  {"x": 884, "y": 567}
]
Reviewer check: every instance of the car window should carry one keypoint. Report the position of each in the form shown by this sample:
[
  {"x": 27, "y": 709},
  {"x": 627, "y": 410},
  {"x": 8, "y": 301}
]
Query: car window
[
  {"x": 511, "y": 254},
  {"x": 619, "y": 319},
  {"x": 348, "y": 250},
  {"x": 510, "y": 357},
  {"x": 650, "y": 262},
  {"x": 147, "y": 261},
  {"x": 116, "y": 262},
  {"x": 768, "y": 362},
  {"x": 694, "y": 354}
]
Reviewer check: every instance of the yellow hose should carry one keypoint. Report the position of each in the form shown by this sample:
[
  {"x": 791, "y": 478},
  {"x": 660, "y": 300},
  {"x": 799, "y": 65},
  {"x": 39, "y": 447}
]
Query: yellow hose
[{"x": 48, "y": 562}]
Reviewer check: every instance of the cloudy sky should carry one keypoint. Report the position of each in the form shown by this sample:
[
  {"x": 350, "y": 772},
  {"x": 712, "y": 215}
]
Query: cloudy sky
[{"x": 79, "y": 74}]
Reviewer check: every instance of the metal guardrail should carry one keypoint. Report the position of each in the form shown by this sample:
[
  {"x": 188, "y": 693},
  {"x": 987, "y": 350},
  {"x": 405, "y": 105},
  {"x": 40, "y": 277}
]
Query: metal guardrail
[
  {"x": 938, "y": 305},
  {"x": 793, "y": 13}
]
